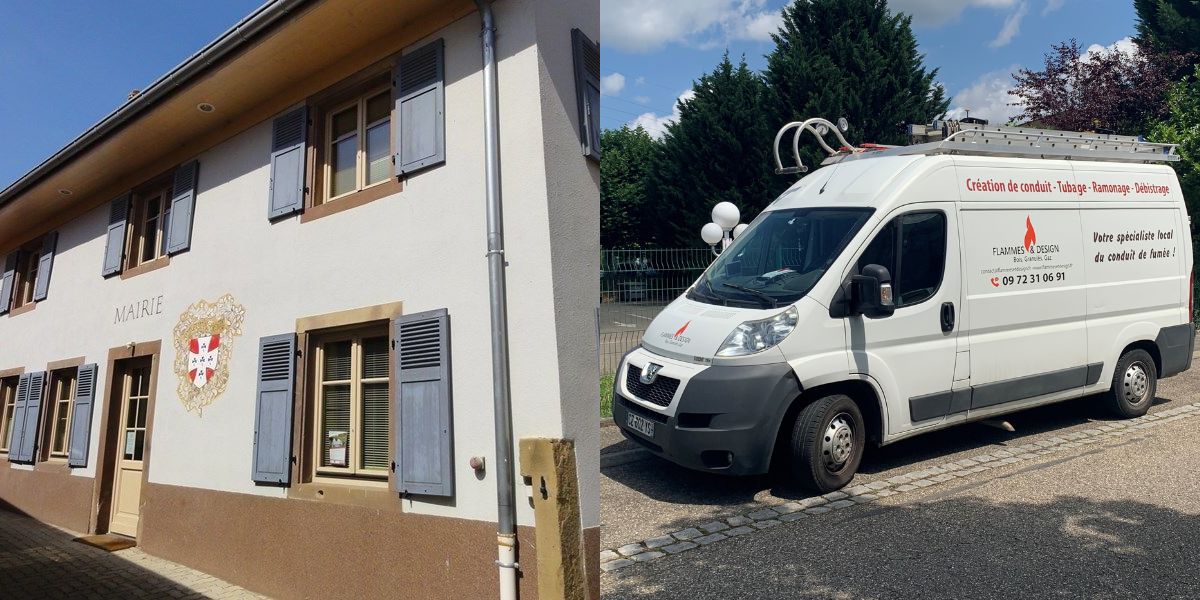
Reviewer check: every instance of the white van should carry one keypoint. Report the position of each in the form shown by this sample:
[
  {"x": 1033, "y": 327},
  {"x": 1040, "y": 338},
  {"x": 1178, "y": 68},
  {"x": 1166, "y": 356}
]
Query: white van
[{"x": 907, "y": 289}]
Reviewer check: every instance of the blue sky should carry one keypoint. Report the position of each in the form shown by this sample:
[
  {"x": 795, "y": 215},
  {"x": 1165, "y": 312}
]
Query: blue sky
[
  {"x": 652, "y": 50},
  {"x": 66, "y": 64}
]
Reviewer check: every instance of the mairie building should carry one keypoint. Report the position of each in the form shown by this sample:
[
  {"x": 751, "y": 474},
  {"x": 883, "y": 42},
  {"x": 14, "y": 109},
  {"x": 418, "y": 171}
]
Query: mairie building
[{"x": 245, "y": 319}]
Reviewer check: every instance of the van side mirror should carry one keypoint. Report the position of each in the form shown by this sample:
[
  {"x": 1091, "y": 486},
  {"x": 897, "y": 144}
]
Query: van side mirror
[{"x": 871, "y": 292}]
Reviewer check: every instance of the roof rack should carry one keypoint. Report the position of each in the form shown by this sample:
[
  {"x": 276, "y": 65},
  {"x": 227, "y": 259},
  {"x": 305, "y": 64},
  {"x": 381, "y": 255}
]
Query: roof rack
[{"x": 956, "y": 137}]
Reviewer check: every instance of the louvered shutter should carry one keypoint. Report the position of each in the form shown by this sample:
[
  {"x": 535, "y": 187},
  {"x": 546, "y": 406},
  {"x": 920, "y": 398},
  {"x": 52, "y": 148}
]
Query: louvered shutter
[
  {"x": 114, "y": 245},
  {"x": 587, "y": 91},
  {"x": 424, "y": 452},
  {"x": 33, "y": 411},
  {"x": 288, "y": 137},
  {"x": 81, "y": 416},
  {"x": 273, "y": 415},
  {"x": 45, "y": 266},
  {"x": 18, "y": 419},
  {"x": 183, "y": 208},
  {"x": 418, "y": 87},
  {"x": 6, "y": 284}
]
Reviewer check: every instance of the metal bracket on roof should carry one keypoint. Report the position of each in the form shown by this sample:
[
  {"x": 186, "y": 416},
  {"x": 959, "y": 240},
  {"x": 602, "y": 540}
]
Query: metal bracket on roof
[{"x": 818, "y": 127}]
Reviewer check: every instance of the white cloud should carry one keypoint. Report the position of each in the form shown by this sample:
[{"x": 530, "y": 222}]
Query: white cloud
[
  {"x": 642, "y": 99},
  {"x": 1052, "y": 5},
  {"x": 1011, "y": 27},
  {"x": 987, "y": 98},
  {"x": 1124, "y": 45},
  {"x": 640, "y": 80},
  {"x": 612, "y": 84},
  {"x": 656, "y": 125},
  {"x": 647, "y": 25},
  {"x": 933, "y": 13}
]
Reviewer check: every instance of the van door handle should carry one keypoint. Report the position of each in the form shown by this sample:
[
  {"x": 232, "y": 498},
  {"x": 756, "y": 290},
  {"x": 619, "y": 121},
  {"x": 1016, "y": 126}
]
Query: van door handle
[{"x": 947, "y": 316}]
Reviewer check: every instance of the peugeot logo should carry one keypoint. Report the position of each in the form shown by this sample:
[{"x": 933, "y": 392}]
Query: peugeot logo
[{"x": 650, "y": 373}]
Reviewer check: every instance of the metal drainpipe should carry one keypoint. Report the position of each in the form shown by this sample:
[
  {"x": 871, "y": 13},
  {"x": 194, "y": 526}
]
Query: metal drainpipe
[{"x": 506, "y": 536}]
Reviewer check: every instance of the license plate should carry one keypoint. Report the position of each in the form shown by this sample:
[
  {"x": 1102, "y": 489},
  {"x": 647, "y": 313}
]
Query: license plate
[{"x": 640, "y": 424}]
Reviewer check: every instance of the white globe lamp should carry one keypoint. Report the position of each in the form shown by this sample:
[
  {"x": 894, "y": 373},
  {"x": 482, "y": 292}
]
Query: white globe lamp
[
  {"x": 739, "y": 229},
  {"x": 726, "y": 215},
  {"x": 711, "y": 233}
]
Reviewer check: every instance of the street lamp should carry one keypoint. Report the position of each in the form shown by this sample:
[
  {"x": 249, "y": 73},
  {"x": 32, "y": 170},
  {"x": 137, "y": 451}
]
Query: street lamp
[{"x": 724, "y": 228}]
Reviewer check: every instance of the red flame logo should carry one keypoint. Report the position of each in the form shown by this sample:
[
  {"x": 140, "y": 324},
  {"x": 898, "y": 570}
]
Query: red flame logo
[
  {"x": 682, "y": 329},
  {"x": 1030, "y": 235}
]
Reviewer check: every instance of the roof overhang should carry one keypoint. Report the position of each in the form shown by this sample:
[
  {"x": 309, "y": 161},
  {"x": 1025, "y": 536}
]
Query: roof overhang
[{"x": 280, "y": 54}]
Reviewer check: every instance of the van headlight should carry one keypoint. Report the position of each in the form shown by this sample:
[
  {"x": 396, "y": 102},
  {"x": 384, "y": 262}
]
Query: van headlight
[{"x": 755, "y": 336}]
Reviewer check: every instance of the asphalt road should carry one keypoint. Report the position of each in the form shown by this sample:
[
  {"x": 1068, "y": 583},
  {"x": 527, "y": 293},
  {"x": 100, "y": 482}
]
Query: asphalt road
[
  {"x": 1117, "y": 518},
  {"x": 628, "y": 316}
]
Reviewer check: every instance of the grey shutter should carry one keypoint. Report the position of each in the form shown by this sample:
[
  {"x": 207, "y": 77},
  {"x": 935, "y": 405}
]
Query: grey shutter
[
  {"x": 114, "y": 245},
  {"x": 288, "y": 137},
  {"x": 423, "y": 456},
  {"x": 18, "y": 420},
  {"x": 418, "y": 87},
  {"x": 81, "y": 416},
  {"x": 33, "y": 411},
  {"x": 45, "y": 266},
  {"x": 273, "y": 415},
  {"x": 183, "y": 208},
  {"x": 6, "y": 284},
  {"x": 587, "y": 91}
]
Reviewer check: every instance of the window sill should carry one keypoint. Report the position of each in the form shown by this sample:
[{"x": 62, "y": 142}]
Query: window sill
[
  {"x": 53, "y": 465},
  {"x": 352, "y": 200},
  {"x": 376, "y": 495},
  {"x": 146, "y": 267},
  {"x": 22, "y": 309}
]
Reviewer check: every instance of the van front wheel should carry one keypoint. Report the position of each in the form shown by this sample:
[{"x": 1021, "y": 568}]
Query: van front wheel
[
  {"x": 827, "y": 443},
  {"x": 1134, "y": 384}
]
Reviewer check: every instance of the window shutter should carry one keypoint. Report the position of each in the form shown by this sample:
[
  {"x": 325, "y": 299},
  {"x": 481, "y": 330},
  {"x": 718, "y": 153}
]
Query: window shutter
[
  {"x": 183, "y": 208},
  {"x": 45, "y": 265},
  {"x": 418, "y": 86},
  {"x": 587, "y": 91},
  {"x": 81, "y": 416},
  {"x": 114, "y": 245},
  {"x": 6, "y": 284},
  {"x": 29, "y": 427},
  {"x": 18, "y": 419},
  {"x": 288, "y": 137},
  {"x": 424, "y": 451},
  {"x": 273, "y": 415}
]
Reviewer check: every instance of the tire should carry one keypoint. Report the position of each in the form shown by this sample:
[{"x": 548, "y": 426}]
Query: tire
[
  {"x": 1134, "y": 384},
  {"x": 827, "y": 443}
]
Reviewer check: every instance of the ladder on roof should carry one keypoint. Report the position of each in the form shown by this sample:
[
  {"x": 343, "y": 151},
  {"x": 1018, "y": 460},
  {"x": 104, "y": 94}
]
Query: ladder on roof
[{"x": 955, "y": 137}]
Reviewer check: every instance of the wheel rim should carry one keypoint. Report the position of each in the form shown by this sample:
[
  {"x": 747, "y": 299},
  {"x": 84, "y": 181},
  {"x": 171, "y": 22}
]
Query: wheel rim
[
  {"x": 1135, "y": 385},
  {"x": 837, "y": 444}
]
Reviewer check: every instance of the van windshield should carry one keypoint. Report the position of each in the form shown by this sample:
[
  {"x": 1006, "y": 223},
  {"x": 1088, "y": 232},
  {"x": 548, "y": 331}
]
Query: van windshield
[{"x": 780, "y": 257}]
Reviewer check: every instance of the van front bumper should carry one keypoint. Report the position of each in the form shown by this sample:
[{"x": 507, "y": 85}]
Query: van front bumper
[{"x": 722, "y": 419}]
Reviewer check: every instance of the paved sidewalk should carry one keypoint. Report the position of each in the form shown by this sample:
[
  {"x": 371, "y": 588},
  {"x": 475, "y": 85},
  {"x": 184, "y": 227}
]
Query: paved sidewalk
[{"x": 40, "y": 561}]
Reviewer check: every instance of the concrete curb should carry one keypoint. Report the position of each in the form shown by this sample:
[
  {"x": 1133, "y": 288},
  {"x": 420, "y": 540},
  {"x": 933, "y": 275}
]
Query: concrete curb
[
  {"x": 765, "y": 515},
  {"x": 616, "y": 459}
]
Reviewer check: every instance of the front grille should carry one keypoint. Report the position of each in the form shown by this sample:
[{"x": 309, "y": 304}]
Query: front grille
[{"x": 659, "y": 393}]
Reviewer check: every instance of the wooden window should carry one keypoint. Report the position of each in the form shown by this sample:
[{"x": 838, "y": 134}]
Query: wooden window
[
  {"x": 352, "y": 406},
  {"x": 58, "y": 412},
  {"x": 28, "y": 262},
  {"x": 149, "y": 217},
  {"x": 8, "y": 402},
  {"x": 358, "y": 144}
]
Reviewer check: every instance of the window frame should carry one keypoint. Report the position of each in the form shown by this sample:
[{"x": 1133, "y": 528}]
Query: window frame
[
  {"x": 8, "y": 405},
  {"x": 24, "y": 284},
  {"x": 897, "y": 248},
  {"x": 137, "y": 222},
  {"x": 352, "y": 473},
  {"x": 361, "y": 166},
  {"x": 56, "y": 380}
]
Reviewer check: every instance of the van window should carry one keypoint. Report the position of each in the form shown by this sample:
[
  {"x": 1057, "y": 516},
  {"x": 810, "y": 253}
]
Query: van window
[
  {"x": 919, "y": 239},
  {"x": 780, "y": 257}
]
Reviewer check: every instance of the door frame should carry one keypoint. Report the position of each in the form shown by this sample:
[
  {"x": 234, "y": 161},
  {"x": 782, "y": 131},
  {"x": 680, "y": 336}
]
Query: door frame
[{"x": 110, "y": 422}]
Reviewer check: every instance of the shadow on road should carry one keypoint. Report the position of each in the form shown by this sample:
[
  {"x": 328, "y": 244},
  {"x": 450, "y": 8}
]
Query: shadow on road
[
  {"x": 1071, "y": 547},
  {"x": 39, "y": 561}
]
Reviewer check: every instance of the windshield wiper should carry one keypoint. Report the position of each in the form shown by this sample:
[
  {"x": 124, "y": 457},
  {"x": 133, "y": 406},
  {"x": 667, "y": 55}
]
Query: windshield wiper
[
  {"x": 771, "y": 303},
  {"x": 711, "y": 294}
]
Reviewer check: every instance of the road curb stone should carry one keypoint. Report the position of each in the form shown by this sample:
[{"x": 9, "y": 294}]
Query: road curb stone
[{"x": 768, "y": 516}]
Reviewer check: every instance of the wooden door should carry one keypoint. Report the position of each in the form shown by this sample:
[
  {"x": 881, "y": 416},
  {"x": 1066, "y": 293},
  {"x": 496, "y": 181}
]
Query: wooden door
[{"x": 130, "y": 446}]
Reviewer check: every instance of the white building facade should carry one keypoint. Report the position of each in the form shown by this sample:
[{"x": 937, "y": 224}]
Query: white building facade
[{"x": 249, "y": 325}]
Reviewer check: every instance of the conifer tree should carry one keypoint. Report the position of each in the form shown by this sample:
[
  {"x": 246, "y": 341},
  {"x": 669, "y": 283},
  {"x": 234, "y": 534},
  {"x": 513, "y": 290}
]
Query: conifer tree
[{"x": 624, "y": 163}]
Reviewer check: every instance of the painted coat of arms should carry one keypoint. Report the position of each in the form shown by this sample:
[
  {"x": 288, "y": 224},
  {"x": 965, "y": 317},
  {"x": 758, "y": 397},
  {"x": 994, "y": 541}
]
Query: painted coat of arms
[{"x": 203, "y": 339}]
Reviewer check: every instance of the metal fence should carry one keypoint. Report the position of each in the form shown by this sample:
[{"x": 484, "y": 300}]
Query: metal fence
[{"x": 634, "y": 286}]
